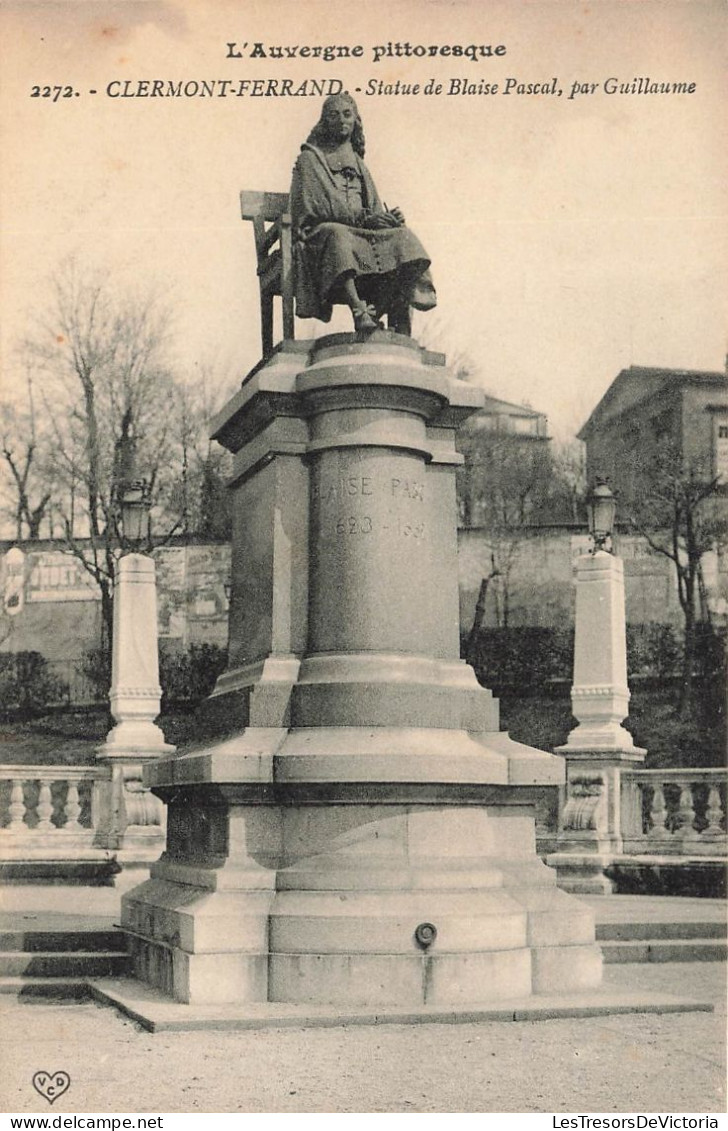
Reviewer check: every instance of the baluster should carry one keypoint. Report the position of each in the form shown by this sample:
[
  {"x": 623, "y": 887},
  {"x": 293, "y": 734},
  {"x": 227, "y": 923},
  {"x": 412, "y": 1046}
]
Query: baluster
[
  {"x": 72, "y": 808},
  {"x": 658, "y": 814},
  {"x": 45, "y": 807},
  {"x": 17, "y": 807},
  {"x": 631, "y": 803},
  {"x": 96, "y": 802},
  {"x": 686, "y": 813},
  {"x": 714, "y": 815}
]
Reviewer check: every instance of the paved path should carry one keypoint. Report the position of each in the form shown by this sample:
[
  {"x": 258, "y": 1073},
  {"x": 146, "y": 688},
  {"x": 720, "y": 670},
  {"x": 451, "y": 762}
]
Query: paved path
[
  {"x": 638, "y": 1063},
  {"x": 642, "y": 1063}
]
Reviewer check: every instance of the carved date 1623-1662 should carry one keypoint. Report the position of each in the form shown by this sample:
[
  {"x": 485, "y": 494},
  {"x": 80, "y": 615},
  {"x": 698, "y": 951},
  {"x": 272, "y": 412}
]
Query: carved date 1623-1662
[{"x": 365, "y": 524}]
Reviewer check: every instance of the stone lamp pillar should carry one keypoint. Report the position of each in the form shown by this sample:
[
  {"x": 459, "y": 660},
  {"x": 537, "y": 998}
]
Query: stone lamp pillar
[
  {"x": 132, "y": 825},
  {"x": 599, "y": 745}
]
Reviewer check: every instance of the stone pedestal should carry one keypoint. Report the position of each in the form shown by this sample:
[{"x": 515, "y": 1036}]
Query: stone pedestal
[
  {"x": 131, "y": 818},
  {"x": 354, "y": 829},
  {"x": 590, "y": 835}
]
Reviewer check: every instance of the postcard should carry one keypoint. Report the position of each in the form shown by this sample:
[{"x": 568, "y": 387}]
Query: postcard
[{"x": 559, "y": 168}]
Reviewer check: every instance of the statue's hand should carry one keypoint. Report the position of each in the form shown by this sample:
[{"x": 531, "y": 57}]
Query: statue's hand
[
  {"x": 398, "y": 215},
  {"x": 379, "y": 220}
]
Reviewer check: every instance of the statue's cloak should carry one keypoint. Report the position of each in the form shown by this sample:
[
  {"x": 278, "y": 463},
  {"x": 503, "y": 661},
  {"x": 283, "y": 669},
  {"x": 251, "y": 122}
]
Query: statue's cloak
[{"x": 330, "y": 242}]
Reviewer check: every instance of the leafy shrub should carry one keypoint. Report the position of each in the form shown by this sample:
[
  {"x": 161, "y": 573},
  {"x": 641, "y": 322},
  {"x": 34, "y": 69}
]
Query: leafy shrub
[
  {"x": 535, "y": 657},
  {"x": 530, "y": 657},
  {"x": 653, "y": 650},
  {"x": 190, "y": 676},
  {"x": 705, "y": 880},
  {"x": 27, "y": 683}
]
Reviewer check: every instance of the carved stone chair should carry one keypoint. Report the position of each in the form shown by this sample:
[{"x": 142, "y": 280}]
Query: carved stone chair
[{"x": 271, "y": 221}]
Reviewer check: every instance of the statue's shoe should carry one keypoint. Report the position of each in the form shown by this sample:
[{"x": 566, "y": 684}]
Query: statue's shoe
[
  {"x": 424, "y": 296},
  {"x": 364, "y": 320}
]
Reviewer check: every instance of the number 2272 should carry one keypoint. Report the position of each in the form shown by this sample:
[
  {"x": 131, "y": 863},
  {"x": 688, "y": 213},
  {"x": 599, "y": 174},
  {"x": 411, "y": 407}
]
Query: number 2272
[{"x": 54, "y": 92}]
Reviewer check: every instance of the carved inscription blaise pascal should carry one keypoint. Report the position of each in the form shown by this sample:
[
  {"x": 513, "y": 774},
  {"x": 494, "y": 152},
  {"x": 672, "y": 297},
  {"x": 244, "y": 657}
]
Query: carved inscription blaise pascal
[{"x": 331, "y": 494}]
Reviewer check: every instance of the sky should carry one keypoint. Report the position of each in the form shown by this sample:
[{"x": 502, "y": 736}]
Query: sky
[{"x": 569, "y": 236}]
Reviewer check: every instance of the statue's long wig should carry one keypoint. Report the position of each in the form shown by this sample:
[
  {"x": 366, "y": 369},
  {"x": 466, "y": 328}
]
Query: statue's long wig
[{"x": 319, "y": 134}]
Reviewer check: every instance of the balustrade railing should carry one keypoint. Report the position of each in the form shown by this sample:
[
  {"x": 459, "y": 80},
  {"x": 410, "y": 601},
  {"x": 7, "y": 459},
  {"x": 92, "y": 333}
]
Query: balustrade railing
[
  {"x": 50, "y": 812},
  {"x": 679, "y": 812},
  {"x": 73, "y": 813}
]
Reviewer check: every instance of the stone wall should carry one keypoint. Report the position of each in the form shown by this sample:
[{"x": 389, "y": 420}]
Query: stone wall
[
  {"x": 51, "y": 606},
  {"x": 536, "y": 578}
]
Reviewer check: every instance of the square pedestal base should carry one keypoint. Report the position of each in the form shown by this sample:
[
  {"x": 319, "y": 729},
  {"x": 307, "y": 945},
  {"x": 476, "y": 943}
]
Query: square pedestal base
[{"x": 403, "y": 903}]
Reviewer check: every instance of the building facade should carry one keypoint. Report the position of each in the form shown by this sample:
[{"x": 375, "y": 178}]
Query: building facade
[{"x": 646, "y": 409}]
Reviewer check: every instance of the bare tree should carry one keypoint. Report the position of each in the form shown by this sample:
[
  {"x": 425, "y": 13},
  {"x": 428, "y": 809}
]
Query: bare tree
[
  {"x": 24, "y": 448},
  {"x": 101, "y": 360},
  {"x": 503, "y": 488},
  {"x": 435, "y": 336},
  {"x": 569, "y": 483},
  {"x": 201, "y": 496},
  {"x": 682, "y": 514}
]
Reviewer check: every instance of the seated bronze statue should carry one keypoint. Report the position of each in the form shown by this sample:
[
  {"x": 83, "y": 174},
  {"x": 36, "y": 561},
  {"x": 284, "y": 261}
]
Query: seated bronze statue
[{"x": 349, "y": 247}]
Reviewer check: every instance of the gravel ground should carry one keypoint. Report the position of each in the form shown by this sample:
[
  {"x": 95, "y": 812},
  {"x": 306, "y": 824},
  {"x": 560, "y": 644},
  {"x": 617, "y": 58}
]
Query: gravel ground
[{"x": 637, "y": 1063}]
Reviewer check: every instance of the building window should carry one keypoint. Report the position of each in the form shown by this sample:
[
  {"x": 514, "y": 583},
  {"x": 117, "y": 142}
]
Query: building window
[{"x": 721, "y": 451}]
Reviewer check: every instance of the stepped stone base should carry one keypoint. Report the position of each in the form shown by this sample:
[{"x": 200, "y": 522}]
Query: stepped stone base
[
  {"x": 355, "y": 832},
  {"x": 322, "y": 904}
]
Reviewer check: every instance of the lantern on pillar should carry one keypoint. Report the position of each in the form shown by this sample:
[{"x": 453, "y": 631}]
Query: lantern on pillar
[
  {"x": 136, "y": 506},
  {"x": 601, "y": 507}
]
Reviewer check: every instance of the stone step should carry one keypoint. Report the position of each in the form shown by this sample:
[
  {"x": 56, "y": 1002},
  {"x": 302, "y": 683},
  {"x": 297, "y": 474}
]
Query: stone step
[
  {"x": 665, "y": 950},
  {"x": 63, "y": 964},
  {"x": 65, "y": 989},
  {"x": 92, "y": 940},
  {"x": 66, "y": 873},
  {"x": 674, "y": 929}
]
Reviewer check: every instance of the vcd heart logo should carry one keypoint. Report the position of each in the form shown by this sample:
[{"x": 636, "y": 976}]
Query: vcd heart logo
[{"x": 51, "y": 1085}]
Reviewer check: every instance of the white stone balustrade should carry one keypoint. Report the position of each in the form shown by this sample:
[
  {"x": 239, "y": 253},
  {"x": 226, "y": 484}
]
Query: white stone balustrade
[
  {"x": 677, "y": 812},
  {"x": 51, "y": 812},
  {"x": 55, "y": 813}
]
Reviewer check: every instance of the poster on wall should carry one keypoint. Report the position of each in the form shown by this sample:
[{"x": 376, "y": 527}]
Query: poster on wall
[{"x": 561, "y": 169}]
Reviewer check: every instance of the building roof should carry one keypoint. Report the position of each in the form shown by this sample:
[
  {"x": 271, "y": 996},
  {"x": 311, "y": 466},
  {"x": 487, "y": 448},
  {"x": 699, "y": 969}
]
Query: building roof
[
  {"x": 494, "y": 409},
  {"x": 495, "y": 405},
  {"x": 640, "y": 382}
]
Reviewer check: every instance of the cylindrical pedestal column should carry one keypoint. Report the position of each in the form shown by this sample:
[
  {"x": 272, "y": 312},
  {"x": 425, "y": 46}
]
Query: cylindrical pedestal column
[
  {"x": 382, "y": 628},
  {"x": 368, "y": 523}
]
